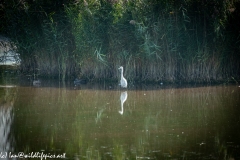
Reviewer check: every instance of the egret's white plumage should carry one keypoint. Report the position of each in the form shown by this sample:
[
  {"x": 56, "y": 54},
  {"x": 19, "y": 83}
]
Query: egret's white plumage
[
  {"x": 123, "y": 98},
  {"x": 123, "y": 81}
]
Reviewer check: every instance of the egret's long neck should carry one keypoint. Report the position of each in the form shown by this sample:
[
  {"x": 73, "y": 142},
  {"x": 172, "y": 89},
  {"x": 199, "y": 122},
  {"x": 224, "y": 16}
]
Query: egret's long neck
[{"x": 121, "y": 73}]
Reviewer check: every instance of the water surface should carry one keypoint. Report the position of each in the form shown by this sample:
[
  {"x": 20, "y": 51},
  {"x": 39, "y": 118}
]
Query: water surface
[{"x": 101, "y": 121}]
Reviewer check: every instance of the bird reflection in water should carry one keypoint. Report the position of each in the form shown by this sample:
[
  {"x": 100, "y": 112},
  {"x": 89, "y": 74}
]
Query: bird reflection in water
[{"x": 123, "y": 98}]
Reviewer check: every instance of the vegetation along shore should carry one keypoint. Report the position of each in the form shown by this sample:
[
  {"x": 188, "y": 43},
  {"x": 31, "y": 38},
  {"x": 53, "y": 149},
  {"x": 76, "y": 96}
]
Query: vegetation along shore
[{"x": 154, "y": 40}]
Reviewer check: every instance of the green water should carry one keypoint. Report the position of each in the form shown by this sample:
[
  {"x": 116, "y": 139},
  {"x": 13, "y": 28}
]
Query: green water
[{"x": 100, "y": 121}]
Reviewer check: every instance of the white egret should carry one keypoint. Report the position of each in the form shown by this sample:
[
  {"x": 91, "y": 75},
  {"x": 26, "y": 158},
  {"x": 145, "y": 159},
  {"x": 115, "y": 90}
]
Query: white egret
[
  {"x": 123, "y": 98},
  {"x": 123, "y": 81}
]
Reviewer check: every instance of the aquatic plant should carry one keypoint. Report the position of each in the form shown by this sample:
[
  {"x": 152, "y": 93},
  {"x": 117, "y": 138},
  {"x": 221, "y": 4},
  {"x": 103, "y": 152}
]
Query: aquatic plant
[{"x": 189, "y": 41}]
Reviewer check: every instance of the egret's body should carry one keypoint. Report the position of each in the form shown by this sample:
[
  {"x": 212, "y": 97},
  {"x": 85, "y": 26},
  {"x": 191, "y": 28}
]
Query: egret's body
[{"x": 123, "y": 81}]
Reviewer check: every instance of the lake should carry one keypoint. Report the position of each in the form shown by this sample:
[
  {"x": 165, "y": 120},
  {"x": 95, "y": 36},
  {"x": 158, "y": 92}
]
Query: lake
[{"x": 102, "y": 121}]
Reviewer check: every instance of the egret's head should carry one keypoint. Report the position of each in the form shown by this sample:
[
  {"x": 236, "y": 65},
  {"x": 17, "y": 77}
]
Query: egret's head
[{"x": 120, "y": 68}]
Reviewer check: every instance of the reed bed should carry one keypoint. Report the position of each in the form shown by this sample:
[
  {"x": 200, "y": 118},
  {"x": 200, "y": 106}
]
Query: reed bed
[{"x": 154, "y": 41}]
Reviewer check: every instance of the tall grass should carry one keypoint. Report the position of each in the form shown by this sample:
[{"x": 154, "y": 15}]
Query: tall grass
[{"x": 154, "y": 40}]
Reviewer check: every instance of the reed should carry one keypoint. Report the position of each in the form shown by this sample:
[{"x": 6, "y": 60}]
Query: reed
[{"x": 154, "y": 40}]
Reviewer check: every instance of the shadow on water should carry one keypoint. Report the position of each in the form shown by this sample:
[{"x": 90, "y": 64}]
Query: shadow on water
[
  {"x": 106, "y": 85},
  {"x": 95, "y": 121}
]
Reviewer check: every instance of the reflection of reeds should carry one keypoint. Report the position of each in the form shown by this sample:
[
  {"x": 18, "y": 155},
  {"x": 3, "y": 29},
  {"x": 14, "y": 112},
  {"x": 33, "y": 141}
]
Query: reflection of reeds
[
  {"x": 166, "y": 123},
  {"x": 119, "y": 152},
  {"x": 92, "y": 154},
  {"x": 99, "y": 115},
  {"x": 7, "y": 101}
]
